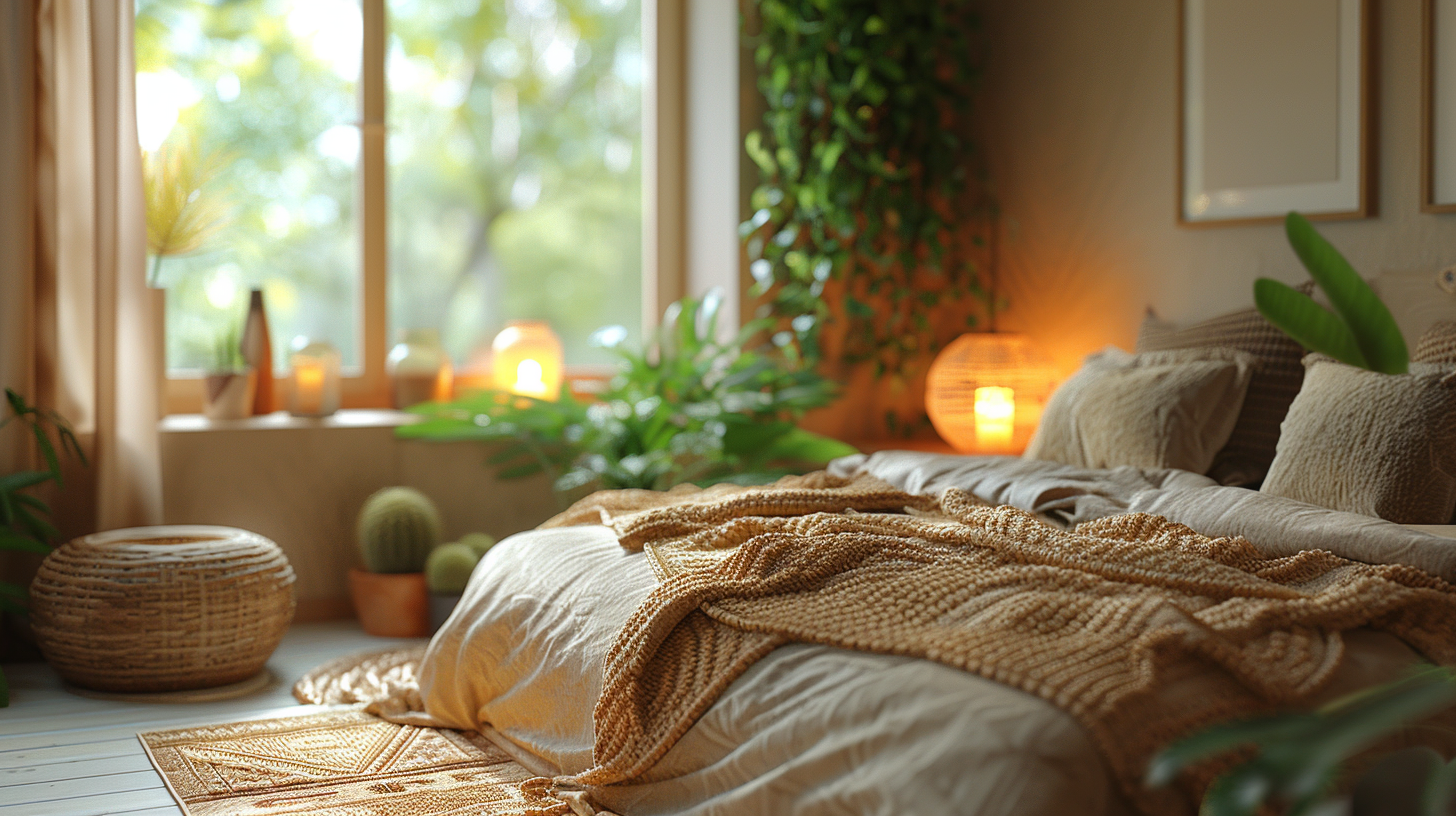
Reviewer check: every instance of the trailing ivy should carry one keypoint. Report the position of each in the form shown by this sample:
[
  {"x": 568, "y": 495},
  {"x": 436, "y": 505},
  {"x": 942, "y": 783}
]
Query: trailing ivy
[{"x": 868, "y": 205}]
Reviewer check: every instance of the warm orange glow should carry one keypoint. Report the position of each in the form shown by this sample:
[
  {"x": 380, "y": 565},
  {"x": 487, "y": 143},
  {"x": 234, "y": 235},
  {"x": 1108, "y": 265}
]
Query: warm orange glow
[
  {"x": 308, "y": 384},
  {"x": 526, "y": 360},
  {"x": 984, "y": 392},
  {"x": 528, "y": 379},
  {"x": 995, "y": 410}
]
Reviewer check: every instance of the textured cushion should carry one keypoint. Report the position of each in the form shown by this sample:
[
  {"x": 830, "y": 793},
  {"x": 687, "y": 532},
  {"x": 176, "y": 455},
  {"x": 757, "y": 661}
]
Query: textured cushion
[
  {"x": 1276, "y": 378},
  {"x": 1438, "y": 344},
  {"x": 1378, "y": 444},
  {"x": 1168, "y": 409}
]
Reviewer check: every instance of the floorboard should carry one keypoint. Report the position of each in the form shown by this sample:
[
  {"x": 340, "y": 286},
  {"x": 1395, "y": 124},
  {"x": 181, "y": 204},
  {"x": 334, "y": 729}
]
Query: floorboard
[{"x": 62, "y": 754}]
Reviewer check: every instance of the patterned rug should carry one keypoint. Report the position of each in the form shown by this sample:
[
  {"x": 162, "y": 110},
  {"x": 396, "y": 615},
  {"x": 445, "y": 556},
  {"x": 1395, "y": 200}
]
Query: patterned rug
[{"x": 343, "y": 763}]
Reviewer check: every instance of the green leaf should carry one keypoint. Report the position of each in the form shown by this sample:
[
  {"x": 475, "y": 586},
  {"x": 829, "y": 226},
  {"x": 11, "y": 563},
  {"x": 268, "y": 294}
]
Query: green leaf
[
  {"x": 1310, "y": 324},
  {"x": 22, "y": 480},
  {"x": 799, "y": 445},
  {"x": 1374, "y": 329},
  {"x": 11, "y": 540}
]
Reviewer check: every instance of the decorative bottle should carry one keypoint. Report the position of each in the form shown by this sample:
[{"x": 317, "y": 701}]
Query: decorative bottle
[{"x": 258, "y": 352}]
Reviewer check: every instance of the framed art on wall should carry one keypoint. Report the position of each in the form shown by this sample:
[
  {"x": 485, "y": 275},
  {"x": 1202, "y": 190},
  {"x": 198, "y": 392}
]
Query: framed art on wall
[
  {"x": 1274, "y": 110},
  {"x": 1438, "y": 107}
]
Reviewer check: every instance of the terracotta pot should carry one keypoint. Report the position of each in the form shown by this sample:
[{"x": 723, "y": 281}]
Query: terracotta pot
[
  {"x": 391, "y": 605},
  {"x": 230, "y": 395}
]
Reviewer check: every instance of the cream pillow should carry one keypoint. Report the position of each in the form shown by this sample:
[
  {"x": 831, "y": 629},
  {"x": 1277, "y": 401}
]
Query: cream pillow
[
  {"x": 1379, "y": 444},
  {"x": 1165, "y": 409}
]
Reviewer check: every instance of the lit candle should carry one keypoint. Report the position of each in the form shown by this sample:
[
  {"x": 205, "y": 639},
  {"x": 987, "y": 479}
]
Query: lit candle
[
  {"x": 308, "y": 384},
  {"x": 995, "y": 410},
  {"x": 529, "y": 379}
]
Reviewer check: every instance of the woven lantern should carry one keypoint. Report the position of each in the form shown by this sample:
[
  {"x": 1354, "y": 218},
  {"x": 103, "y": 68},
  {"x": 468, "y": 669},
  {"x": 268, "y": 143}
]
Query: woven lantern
[
  {"x": 985, "y": 392},
  {"x": 526, "y": 360}
]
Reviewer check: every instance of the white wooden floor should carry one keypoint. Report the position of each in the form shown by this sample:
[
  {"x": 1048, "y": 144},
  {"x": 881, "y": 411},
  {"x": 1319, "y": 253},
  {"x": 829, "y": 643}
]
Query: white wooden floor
[{"x": 64, "y": 755}]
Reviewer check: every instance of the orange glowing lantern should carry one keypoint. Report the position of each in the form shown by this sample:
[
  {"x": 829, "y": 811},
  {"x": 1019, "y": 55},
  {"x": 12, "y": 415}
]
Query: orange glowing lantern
[
  {"x": 526, "y": 360},
  {"x": 985, "y": 392}
]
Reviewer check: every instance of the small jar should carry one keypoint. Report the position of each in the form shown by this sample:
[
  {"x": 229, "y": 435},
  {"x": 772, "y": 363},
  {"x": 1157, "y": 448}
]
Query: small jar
[
  {"x": 314, "y": 380},
  {"x": 419, "y": 369},
  {"x": 526, "y": 360}
]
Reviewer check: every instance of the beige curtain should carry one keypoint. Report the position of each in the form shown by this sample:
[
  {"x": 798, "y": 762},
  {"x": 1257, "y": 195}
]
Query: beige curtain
[{"x": 78, "y": 324}]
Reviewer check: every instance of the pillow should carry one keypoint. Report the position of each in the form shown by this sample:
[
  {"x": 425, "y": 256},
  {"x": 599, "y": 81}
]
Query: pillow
[
  {"x": 1437, "y": 345},
  {"x": 1276, "y": 377},
  {"x": 1364, "y": 442},
  {"x": 1167, "y": 409}
]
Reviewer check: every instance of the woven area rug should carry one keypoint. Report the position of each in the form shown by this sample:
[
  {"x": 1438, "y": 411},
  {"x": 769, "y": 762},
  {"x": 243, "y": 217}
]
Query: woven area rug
[{"x": 343, "y": 763}]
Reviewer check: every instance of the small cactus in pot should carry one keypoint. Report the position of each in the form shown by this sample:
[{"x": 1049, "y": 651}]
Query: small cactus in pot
[
  {"x": 397, "y": 529},
  {"x": 448, "y": 571}
]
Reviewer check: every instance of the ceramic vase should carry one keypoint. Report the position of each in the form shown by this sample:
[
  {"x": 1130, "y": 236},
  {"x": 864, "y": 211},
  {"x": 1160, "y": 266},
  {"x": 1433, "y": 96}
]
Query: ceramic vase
[
  {"x": 419, "y": 369},
  {"x": 258, "y": 351}
]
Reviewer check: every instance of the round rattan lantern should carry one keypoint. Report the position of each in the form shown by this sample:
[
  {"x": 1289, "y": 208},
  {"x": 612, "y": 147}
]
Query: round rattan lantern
[
  {"x": 984, "y": 392},
  {"x": 158, "y": 609}
]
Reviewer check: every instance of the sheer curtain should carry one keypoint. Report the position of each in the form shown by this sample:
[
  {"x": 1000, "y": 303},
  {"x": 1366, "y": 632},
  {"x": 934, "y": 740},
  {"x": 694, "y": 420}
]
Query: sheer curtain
[{"x": 78, "y": 326}]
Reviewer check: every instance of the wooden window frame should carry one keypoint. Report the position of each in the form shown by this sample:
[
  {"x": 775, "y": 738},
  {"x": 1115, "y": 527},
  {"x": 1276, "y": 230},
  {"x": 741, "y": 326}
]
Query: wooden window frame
[{"x": 663, "y": 213}]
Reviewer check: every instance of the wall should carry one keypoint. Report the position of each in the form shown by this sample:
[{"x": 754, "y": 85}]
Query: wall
[
  {"x": 302, "y": 482},
  {"x": 1081, "y": 124}
]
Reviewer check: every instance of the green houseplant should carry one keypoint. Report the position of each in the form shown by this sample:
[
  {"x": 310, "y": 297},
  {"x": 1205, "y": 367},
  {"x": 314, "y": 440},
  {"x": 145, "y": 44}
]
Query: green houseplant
[
  {"x": 687, "y": 408},
  {"x": 1296, "y": 760},
  {"x": 24, "y": 519},
  {"x": 870, "y": 213},
  {"x": 1359, "y": 331},
  {"x": 397, "y": 529}
]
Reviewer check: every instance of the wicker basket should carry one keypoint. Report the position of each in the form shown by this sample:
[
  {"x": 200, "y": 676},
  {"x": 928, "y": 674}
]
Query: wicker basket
[{"x": 153, "y": 609}]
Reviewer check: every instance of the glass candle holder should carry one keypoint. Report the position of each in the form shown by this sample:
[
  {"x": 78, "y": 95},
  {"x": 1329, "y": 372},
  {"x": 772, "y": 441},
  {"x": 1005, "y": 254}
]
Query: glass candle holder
[
  {"x": 313, "y": 379},
  {"x": 419, "y": 369},
  {"x": 526, "y": 360}
]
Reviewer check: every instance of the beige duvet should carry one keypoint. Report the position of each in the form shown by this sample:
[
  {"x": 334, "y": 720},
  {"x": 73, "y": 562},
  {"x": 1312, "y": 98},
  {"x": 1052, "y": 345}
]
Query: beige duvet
[{"x": 808, "y": 729}]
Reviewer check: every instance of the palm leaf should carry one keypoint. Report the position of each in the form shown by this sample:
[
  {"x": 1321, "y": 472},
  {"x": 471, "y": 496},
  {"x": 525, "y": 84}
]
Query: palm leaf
[
  {"x": 1298, "y": 316},
  {"x": 1373, "y": 327}
]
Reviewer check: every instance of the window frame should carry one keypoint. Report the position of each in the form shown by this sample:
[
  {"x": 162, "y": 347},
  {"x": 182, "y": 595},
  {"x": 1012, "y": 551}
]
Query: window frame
[{"x": 663, "y": 203}]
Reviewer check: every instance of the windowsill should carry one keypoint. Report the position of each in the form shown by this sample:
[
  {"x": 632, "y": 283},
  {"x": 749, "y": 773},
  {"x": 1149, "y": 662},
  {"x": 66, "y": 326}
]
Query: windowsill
[{"x": 283, "y": 421}]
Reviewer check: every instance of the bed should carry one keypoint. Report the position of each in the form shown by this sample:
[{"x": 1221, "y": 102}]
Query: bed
[
  {"x": 787, "y": 718},
  {"x": 815, "y": 729}
]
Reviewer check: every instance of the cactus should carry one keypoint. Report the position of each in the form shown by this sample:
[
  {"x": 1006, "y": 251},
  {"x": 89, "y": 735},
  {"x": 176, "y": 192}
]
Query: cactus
[
  {"x": 398, "y": 527},
  {"x": 479, "y": 542},
  {"x": 448, "y": 569}
]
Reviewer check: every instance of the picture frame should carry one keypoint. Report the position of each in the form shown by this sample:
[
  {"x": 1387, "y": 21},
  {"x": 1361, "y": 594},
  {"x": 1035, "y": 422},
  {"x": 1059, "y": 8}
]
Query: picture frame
[
  {"x": 1275, "y": 111},
  {"x": 1438, "y": 106}
]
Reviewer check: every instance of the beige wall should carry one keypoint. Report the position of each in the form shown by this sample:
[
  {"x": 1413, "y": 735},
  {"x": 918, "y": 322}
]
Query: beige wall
[
  {"x": 302, "y": 485},
  {"x": 1081, "y": 135}
]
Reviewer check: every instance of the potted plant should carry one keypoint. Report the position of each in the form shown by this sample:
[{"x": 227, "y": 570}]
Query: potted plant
[
  {"x": 1360, "y": 331},
  {"x": 687, "y": 408},
  {"x": 448, "y": 570},
  {"x": 397, "y": 529},
  {"x": 24, "y": 523},
  {"x": 229, "y": 382}
]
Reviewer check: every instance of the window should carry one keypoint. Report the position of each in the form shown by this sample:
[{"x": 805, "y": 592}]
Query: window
[{"x": 497, "y": 143}]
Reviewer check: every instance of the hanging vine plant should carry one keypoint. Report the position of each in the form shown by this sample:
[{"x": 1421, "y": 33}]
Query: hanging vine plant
[{"x": 869, "y": 215}]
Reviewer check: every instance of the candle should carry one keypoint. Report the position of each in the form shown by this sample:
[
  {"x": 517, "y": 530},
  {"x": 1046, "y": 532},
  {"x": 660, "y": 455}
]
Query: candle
[
  {"x": 995, "y": 409},
  {"x": 315, "y": 379},
  {"x": 308, "y": 381},
  {"x": 529, "y": 380}
]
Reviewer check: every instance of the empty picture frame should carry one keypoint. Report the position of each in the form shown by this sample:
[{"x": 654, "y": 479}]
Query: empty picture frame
[
  {"x": 1438, "y": 107},
  {"x": 1274, "y": 110}
]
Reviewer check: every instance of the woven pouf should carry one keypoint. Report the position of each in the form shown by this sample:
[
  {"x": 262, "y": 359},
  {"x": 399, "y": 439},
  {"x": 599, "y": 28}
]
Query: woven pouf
[{"x": 153, "y": 609}]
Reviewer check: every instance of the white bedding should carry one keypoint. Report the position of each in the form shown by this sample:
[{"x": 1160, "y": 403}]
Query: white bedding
[{"x": 809, "y": 729}]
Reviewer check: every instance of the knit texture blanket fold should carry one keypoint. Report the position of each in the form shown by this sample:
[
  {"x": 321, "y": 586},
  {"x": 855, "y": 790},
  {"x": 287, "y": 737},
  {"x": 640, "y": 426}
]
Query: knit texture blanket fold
[{"x": 1096, "y": 620}]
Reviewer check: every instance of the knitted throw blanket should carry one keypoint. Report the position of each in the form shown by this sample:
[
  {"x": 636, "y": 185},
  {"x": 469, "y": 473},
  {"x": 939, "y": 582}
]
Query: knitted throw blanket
[{"x": 1098, "y": 620}]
